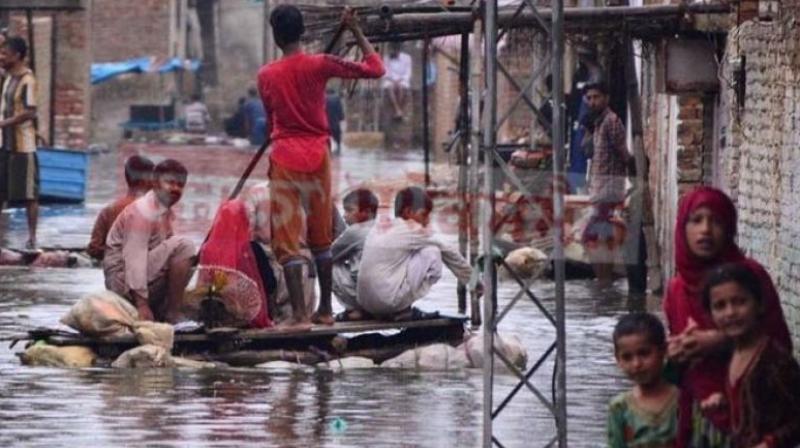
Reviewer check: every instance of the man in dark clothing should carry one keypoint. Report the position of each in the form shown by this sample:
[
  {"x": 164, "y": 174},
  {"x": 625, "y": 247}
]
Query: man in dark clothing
[
  {"x": 335, "y": 110},
  {"x": 255, "y": 119}
]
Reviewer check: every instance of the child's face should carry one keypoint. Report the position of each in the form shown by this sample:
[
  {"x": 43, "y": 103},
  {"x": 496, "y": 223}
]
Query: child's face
[
  {"x": 734, "y": 310},
  {"x": 705, "y": 235},
  {"x": 640, "y": 359},
  {"x": 352, "y": 214}
]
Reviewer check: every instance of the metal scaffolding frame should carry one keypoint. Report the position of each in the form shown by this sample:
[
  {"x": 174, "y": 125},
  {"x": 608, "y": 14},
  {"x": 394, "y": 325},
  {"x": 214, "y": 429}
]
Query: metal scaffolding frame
[
  {"x": 476, "y": 139},
  {"x": 553, "y": 31}
]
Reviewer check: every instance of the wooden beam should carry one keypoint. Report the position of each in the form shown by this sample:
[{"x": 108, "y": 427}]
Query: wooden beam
[{"x": 53, "y": 5}]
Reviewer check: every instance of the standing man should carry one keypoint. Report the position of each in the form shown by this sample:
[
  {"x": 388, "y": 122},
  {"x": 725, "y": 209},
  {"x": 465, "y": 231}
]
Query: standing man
[
  {"x": 196, "y": 116},
  {"x": 19, "y": 167},
  {"x": 607, "y": 175},
  {"x": 143, "y": 260},
  {"x": 293, "y": 91}
]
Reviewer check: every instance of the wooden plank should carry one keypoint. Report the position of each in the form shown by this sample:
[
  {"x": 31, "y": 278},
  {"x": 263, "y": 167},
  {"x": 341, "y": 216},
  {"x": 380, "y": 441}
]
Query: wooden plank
[
  {"x": 272, "y": 333},
  {"x": 59, "y": 5}
]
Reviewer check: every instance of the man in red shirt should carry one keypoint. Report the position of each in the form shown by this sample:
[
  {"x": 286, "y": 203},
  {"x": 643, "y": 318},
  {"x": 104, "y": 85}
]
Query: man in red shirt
[
  {"x": 139, "y": 177},
  {"x": 293, "y": 91}
]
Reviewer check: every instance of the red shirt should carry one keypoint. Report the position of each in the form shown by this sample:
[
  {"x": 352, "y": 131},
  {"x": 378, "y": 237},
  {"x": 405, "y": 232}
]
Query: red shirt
[{"x": 293, "y": 92}]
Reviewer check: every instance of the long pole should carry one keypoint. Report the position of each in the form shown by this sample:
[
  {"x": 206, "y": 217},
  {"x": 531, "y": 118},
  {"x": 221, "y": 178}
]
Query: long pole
[
  {"x": 476, "y": 87},
  {"x": 489, "y": 143},
  {"x": 464, "y": 135},
  {"x": 557, "y": 34},
  {"x": 426, "y": 139}
]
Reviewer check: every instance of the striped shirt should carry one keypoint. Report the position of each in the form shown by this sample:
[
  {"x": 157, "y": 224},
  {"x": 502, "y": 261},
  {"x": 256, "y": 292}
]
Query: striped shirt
[{"x": 18, "y": 96}]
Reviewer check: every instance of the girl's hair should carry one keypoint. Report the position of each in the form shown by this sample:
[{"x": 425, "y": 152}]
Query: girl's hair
[
  {"x": 641, "y": 323},
  {"x": 732, "y": 272}
]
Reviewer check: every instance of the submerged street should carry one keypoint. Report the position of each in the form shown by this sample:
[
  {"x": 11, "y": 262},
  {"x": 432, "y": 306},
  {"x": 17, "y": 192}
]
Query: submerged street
[{"x": 286, "y": 407}]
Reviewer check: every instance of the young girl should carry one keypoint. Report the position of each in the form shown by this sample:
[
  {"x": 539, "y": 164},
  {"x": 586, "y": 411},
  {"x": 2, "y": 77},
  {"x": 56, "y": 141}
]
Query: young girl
[
  {"x": 645, "y": 416},
  {"x": 762, "y": 391},
  {"x": 704, "y": 238}
]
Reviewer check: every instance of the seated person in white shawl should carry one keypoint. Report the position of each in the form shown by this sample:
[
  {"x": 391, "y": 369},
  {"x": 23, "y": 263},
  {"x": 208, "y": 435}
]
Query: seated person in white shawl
[
  {"x": 402, "y": 260},
  {"x": 360, "y": 209}
]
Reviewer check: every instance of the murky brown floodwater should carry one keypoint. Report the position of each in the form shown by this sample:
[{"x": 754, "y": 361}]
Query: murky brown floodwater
[{"x": 303, "y": 407}]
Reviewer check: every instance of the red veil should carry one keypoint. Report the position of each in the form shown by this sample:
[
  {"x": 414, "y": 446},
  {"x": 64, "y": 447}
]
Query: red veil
[{"x": 227, "y": 264}]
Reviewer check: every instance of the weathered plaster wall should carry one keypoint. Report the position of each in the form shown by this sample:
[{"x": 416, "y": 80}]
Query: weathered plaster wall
[{"x": 764, "y": 153}]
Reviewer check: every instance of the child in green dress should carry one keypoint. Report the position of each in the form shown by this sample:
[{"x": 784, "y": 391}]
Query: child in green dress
[{"x": 645, "y": 416}]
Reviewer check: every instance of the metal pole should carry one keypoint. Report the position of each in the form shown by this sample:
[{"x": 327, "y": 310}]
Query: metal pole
[
  {"x": 476, "y": 89},
  {"x": 464, "y": 134},
  {"x": 31, "y": 46},
  {"x": 426, "y": 138},
  {"x": 558, "y": 207},
  {"x": 487, "y": 237}
]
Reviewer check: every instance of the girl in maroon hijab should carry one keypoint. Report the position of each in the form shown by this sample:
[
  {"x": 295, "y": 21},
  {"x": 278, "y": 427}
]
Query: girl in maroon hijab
[{"x": 704, "y": 238}]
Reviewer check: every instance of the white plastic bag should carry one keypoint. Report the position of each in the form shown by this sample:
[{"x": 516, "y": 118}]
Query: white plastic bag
[{"x": 102, "y": 314}]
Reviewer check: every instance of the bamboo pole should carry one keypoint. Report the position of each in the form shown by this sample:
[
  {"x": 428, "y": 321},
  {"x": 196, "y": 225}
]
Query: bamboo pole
[{"x": 463, "y": 176}]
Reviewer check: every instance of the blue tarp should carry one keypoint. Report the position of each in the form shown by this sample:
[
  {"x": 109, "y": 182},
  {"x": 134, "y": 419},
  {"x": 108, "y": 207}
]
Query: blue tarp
[{"x": 103, "y": 71}]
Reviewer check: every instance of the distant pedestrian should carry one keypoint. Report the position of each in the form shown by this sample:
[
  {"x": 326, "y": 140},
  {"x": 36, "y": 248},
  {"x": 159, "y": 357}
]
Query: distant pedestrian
[
  {"x": 610, "y": 160},
  {"x": 196, "y": 116},
  {"x": 397, "y": 80},
  {"x": 255, "y": 119},
  {"x": 234, "y": 125},
  {"x": 335, "y": 110},
  {"x": 646, "y": 415},
  {"x": 19, "y": 166}
]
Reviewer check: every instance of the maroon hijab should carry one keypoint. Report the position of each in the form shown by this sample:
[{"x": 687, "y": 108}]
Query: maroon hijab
[{"x": 684, "y": 302}]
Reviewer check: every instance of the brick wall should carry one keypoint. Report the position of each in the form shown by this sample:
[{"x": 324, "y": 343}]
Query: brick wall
[
  {"x": 764, "y": 139},
  {"x": 71, "y": 80},
  {"x": 123, "y": 30}
]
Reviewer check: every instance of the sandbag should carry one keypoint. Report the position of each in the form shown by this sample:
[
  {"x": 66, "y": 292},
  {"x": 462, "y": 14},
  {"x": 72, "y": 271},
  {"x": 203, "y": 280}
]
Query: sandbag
[
  {"x": 101, "y": 314},
  {"x": 348, "y": 363},
  {"x": 41, "y": 354},
  {"x": 510, "y": 346},
  {"x": 147, "y": 356},
  {"x": 155, "y": 333},
  {"x": 528, "y": 262},
  {"x": 433, "y": 357},
  {"x": 184, "y": 363}
]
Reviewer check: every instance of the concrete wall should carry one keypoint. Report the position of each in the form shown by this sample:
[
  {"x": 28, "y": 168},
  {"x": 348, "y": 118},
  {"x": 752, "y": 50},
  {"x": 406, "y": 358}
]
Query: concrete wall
[{"x": 764, "y": 148}]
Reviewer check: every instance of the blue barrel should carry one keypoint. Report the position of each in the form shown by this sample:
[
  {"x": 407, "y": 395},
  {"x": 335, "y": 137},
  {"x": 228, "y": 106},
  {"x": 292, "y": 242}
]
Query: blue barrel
[{"x": 62, "y": 175}]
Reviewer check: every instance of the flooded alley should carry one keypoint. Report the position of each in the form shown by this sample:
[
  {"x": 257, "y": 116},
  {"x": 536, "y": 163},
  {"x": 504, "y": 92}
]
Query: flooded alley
[{"x": 299, "y": 407}]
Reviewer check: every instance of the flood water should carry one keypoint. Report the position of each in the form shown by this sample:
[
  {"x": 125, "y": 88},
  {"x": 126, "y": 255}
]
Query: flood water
[{"x": 302, "y": 407}]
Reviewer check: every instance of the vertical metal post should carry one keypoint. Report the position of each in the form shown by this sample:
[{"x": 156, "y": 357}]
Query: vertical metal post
[
  {"x": 487, "y": 232},
  {"x": 476, "y": 89},
  {"x": 268, "y": 48},
  {"x": 31, "y": 46},
  {"x": 464, "y": 136},
  {"x": 426, "y": 138},
  {"x": 558, "y": 207}
]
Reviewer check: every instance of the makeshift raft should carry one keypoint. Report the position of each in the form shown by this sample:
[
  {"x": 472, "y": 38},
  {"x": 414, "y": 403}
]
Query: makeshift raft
[{"x": 376, "y": 340}]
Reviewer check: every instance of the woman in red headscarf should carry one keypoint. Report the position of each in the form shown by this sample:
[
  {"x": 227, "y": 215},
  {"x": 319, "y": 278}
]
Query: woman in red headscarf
[{"x": 705, "y": 235}]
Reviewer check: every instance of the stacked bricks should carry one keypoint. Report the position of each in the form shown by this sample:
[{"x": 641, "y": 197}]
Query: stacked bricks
[
  {"x": 123, "y": 30},
  {"x": 764, "y": 138},
  {"x": 691, "y": 138},
  {"x": 71, "y": 81}
]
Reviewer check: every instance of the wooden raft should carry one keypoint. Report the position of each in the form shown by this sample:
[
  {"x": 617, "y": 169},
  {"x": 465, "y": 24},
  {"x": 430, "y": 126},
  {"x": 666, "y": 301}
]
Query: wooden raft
[{"x": 377, "y": 340}]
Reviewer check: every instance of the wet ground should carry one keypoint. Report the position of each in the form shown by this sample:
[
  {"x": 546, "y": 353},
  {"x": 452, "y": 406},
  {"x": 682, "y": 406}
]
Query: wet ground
[{"x": 303, "y": 407}]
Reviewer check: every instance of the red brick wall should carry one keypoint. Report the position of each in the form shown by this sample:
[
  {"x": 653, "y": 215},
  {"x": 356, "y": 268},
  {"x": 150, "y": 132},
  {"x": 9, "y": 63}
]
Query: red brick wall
[{"x": 129, "y": 29}]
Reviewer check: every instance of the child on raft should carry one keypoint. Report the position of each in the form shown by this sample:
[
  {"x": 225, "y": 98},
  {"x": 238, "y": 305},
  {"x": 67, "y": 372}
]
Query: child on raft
[
  {"x": 645, "y": 416},
  {"x": 402, "y": 260},
  {"x": 360, "y": 209},
  {"x": 762, "y": 386}
]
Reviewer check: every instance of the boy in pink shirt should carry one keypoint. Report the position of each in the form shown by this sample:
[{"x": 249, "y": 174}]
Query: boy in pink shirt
[{"x": 293, "y": 91}]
